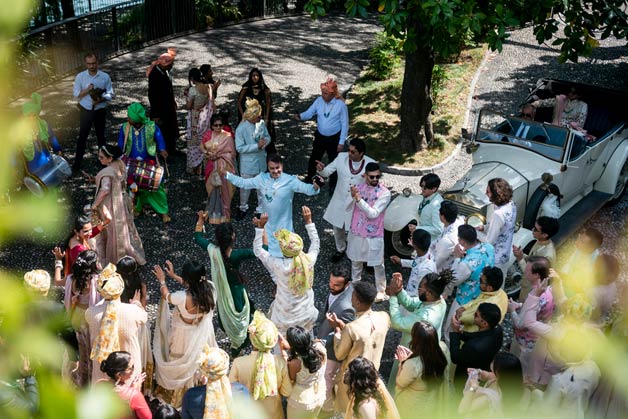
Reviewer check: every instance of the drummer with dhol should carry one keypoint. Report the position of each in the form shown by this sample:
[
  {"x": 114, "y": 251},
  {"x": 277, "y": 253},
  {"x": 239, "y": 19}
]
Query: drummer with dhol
[{"x": 140, "y": 139}]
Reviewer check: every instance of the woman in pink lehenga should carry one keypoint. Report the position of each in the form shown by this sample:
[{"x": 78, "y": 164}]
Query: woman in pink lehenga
[
  {"x": 120, "y": 238},
  {"x": 219, "y": 149},
  {"x": 200, "y": 106}
]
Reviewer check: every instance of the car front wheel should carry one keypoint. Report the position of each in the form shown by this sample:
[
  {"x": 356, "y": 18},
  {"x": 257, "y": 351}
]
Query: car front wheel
[
  {"x": 620, "y": 185},
  {"x": 396, "y": 243}
]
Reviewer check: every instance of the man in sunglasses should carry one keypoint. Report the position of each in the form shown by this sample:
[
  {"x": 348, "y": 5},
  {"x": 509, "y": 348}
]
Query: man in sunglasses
[
  {"x": 350, "y": 170},
  {"x": 366, "y": 235}
]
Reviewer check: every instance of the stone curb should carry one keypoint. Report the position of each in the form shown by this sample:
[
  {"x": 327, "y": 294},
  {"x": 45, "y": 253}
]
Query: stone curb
[{"x": 404, "y": 171}]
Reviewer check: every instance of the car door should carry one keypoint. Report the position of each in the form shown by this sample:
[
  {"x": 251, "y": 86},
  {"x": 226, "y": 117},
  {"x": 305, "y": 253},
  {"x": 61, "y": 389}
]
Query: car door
[{"x": 578, "y": 163}]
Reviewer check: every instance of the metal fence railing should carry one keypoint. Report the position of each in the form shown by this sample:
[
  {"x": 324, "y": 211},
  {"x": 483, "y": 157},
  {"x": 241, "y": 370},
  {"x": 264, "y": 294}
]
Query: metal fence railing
[{"x": 57, "y": 49}]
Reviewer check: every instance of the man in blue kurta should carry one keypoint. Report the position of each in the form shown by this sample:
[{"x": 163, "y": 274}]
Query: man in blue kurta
[
  {"x": 277, "y": 189},
  {"x": 140, "y": 139}
]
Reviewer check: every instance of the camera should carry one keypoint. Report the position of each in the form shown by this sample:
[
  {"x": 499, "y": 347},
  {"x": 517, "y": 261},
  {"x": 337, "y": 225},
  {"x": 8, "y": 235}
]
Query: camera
[{"x": 96, "y": 93}]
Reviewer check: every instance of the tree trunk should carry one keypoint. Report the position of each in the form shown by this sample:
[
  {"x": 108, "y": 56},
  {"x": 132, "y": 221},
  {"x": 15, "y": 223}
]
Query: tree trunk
[{"x": 416, "y": 98}]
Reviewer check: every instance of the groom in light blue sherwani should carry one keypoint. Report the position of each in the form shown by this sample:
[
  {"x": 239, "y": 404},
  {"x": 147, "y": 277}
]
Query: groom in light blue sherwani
[{"x": 277, "y": 190}]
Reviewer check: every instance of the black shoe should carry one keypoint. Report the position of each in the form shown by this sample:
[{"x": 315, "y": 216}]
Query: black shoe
[{"x": 338, "y": 256}]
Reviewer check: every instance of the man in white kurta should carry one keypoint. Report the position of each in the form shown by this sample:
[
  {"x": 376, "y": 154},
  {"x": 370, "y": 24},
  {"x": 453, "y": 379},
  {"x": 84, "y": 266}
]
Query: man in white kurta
[
  {"x": 251, "y": 139},
  {"x": 366, "y": 236},
  {"x": 289, "y": 308},
  {"x": 442, "y": 249},
  {"x": 350, "y": 170},
  {"x": 278, "y": 191}
]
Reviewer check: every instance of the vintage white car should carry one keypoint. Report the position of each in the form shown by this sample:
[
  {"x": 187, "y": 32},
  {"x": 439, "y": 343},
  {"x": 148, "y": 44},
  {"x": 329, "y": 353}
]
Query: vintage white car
[{"x": 589, "y": 174}]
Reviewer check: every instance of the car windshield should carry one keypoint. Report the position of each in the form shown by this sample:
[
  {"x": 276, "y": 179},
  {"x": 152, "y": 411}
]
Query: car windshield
[{"x": 545, "y": 139}]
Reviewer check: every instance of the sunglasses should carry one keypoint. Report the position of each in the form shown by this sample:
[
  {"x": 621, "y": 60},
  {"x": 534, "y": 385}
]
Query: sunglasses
[
  {"x": 528, "y": 115},
  {"x": 375, "y": 177},
  {"x": 217, "y": 125}
]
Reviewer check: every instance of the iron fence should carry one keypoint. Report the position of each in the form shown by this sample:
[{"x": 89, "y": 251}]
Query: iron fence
[{"x": 57, "y": 49}]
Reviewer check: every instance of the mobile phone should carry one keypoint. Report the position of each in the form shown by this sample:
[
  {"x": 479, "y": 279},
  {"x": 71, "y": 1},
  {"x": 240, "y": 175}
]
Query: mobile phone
[{"x": 319, "y": 181}]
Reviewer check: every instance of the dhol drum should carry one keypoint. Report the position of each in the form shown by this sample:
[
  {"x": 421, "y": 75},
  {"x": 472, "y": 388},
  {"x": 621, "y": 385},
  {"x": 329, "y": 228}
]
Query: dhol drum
[
  {"x": 51, "y": 173},
  {"x": 147, "y": 176}
]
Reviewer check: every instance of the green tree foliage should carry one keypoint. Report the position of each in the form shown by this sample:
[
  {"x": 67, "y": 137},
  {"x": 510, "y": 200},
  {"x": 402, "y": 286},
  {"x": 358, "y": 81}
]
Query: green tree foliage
[
  {"x": 22, "y": 334},
  {"x": 439, "y": 28}
]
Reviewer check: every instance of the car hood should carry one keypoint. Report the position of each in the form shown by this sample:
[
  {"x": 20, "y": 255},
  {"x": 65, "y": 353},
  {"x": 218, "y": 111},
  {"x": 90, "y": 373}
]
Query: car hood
[{"x": 471, "y": 188}]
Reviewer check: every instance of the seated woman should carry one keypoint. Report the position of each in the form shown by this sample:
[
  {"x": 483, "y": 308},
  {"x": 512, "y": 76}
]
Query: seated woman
[
  {"x": 180, "y": 336},
  {"x": 569, "y": 111}
]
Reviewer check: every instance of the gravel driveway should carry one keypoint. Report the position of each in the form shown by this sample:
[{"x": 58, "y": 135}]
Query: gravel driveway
[{"x": 295, "y": 54}]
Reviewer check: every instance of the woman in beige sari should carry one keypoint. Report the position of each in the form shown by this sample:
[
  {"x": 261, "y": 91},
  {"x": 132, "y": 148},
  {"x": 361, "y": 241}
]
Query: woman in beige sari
[
  {"x": 120, "y": 238},
  {"x": 219, "y": 149}
]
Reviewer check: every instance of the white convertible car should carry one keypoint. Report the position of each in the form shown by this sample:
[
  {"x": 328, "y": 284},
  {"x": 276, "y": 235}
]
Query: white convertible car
[{"x": 589, "y": 174}]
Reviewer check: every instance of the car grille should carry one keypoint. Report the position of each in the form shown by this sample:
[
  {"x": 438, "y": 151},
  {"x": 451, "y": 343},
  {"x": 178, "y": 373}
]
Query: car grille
[{"x": 466, "y": 210}]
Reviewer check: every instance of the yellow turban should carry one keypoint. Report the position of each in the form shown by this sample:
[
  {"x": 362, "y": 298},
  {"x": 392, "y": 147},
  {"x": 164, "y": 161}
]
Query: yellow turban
[
  {"x": 37, "y": 280},
  {"x": 214, "y": 364},
  {"x": 253, "y": 110},
  {"x": 301, "y": 275},
  {"x": 264, "y": 336},
  {"x": 110, "y": 285}
]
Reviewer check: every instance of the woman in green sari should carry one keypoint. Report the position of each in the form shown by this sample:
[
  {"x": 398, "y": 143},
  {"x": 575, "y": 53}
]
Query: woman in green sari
[{"x": 235, "y": 310}]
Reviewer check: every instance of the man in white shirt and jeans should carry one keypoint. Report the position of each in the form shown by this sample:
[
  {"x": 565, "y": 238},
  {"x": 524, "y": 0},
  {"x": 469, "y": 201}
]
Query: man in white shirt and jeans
[{"x": 94, "y": 90}]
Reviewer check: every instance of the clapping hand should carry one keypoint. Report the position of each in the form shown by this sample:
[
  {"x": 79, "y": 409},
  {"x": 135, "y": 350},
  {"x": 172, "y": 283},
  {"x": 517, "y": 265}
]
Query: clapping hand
[
  {"x": 307, "y": 214},
  {"x": 335, "y": 322},
  {"x": 516, "y": 250},
  {"x": 396, "y": 284},
  {"x": 513, "y": 305},
  {"x": 159, "y": 273},
  {"x": 261, "y": 221},
  {"x": 402, "y": 353},
  {"x": 355, "y": 194}
]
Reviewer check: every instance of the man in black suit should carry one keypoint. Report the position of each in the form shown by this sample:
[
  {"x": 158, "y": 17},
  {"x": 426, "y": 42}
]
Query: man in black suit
[
  {"x": 339, "y": 303},
  {"x": 163, "y": 108},
  {"x": 479, "y": 348}
]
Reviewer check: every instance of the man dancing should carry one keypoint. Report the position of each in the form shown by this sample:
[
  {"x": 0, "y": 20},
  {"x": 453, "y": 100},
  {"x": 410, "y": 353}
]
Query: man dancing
[
  {"x": 277, "y": 190},
  {"x": 350, "y": 170},
  {"x": 366, "y": 236},
  {"x": 140, "y": 139}
]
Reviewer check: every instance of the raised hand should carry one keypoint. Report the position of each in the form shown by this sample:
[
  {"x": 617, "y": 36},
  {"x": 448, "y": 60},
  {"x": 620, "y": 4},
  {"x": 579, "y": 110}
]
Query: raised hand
[{"x": 307, "y": 214}]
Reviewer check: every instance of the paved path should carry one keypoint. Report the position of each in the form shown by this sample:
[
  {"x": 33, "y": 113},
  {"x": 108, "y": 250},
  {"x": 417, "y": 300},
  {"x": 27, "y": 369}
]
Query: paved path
[{"x": 295, "y": 54}]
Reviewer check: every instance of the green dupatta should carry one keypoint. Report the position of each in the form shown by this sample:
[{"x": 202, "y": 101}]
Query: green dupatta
[{"x": 234, "y": 323}]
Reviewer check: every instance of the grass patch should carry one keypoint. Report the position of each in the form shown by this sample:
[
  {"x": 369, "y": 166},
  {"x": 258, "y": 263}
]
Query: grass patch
[{"x": 374, "y": 112}]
